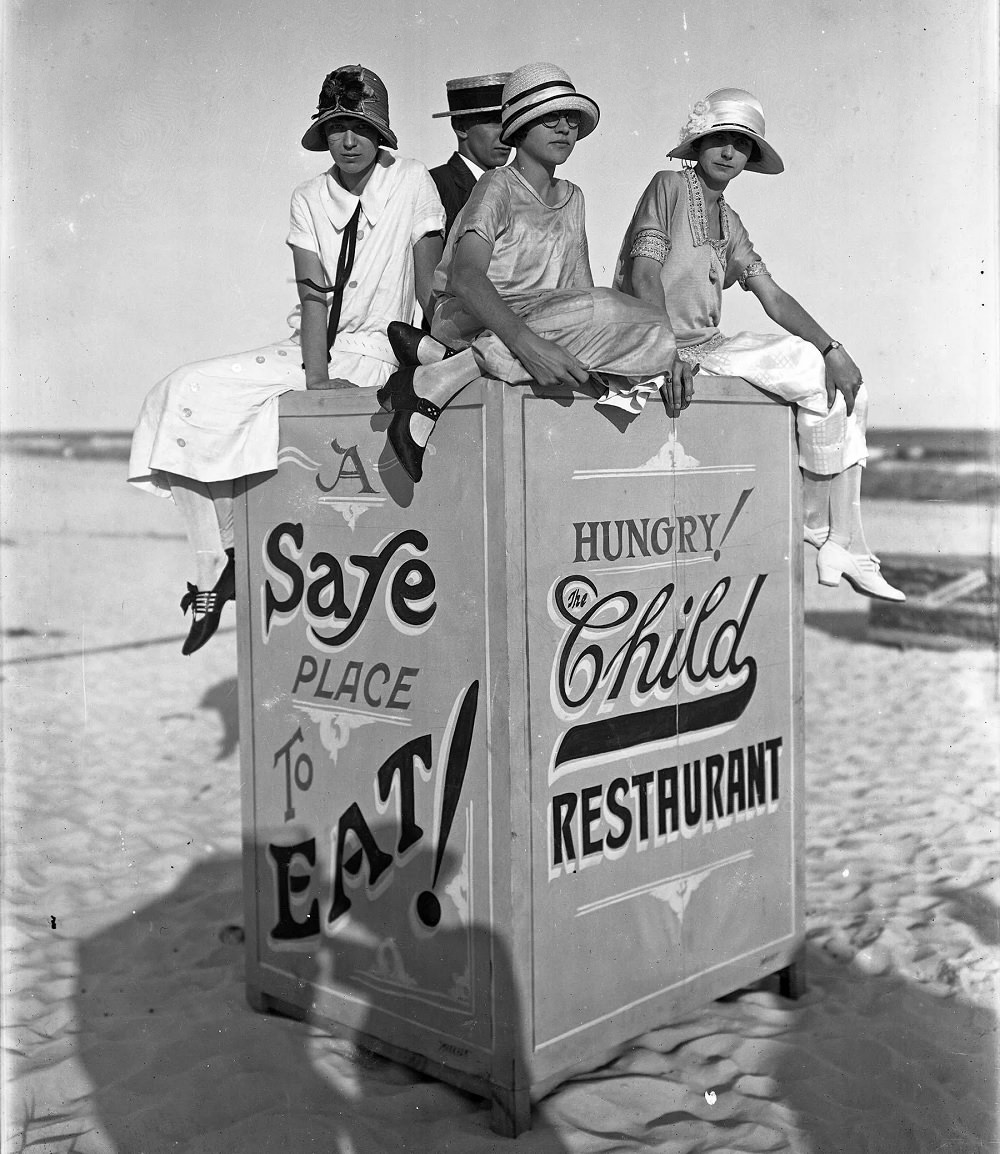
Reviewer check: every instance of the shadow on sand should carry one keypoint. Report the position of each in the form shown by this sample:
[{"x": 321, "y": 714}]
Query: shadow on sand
[
  {"x": 859, "y": 1041},
  {"x": 848, "y": 625},
  {"x": 223, "y": 699},
  {"x": 207, "y": 1073},
  {"x": 197, "y": 1069}
]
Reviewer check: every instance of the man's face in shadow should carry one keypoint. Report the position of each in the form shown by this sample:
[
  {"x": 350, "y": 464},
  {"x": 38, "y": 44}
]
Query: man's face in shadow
[{"x": 479, "y": 140}]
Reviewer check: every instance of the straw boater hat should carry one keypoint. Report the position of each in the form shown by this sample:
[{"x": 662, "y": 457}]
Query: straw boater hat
[
  {"x": 351, "y": 91},
  {"x": 471, "y": 95},
  {"x": 537, "y": 90},
  {"x": 733, "y": 110}
]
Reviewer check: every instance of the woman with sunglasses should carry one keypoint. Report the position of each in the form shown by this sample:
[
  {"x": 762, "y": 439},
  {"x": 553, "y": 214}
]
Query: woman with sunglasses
[{"x": 514, "y": 298}]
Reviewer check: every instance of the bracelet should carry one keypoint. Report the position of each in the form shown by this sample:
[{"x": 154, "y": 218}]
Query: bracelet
[{"x": 830, "y": 347}]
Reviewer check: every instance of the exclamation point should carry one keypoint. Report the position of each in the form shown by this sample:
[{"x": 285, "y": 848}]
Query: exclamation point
[
  {"x": 428, "y": 905},
  {"x": 732, "y": 520}
]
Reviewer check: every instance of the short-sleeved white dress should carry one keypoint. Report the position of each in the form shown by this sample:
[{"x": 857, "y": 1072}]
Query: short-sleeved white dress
[{"x": 217, "y": 420}]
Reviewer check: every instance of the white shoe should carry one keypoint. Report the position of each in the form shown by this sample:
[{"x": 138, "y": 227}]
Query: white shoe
[
  {"x": 815, "y": 537},
  {"x": 860, "y": 569}
]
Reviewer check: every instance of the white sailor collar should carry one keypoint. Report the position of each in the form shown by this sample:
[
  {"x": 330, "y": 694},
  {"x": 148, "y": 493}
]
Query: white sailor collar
[{"x": 340, "y": 204}]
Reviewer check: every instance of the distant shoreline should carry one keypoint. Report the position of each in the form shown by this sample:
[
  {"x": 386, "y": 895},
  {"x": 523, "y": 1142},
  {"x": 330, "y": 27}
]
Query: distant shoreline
[
  {"x": 909, "y": 444},
  {"x": 958, "y": 465}
]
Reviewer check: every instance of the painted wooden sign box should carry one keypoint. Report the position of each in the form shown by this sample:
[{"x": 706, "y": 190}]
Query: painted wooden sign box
[{"x": 522, "y": 745}]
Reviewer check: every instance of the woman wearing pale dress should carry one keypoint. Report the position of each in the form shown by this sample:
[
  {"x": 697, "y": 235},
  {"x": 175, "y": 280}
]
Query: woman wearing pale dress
[
  {"x": 683, "y": 247},
  {"x": 365, "y": 237}
]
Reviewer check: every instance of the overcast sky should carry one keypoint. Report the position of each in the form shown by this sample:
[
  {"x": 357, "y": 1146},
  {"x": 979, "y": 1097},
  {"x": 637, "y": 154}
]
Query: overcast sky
[{"x": 151, "y": 147}]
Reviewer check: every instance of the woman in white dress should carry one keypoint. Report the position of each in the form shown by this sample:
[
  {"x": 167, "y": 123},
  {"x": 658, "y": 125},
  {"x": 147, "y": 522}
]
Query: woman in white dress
[{"x": 365, "y": 237}]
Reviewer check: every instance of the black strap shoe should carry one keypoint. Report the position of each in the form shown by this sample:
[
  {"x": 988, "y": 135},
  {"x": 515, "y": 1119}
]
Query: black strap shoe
[
  {"x": 206, "y": 606},
  {"x": 409, "y": 453},
  {"x": 206, "y": 611},
  {"x": 225, "y": 587},
  {"x": 398, "y": 396},
  {"x": 412, "y": 346},
  {"x": 403, "y": 340}
]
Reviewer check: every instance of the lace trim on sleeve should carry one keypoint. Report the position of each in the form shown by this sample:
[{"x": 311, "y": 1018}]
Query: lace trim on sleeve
[
  {"x": 649, "y": 242},
  {"x": 758, "y": 268}
]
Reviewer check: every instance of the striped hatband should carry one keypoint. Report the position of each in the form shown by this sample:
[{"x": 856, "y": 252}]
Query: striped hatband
[{"x": 537, "y": 90}]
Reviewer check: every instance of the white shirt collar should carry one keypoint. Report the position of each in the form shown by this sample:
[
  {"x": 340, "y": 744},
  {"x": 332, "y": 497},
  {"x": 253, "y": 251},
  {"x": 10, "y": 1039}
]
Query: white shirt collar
[
  {"x": 340, "y": 204},
  {"x": 474, "y": 168}
]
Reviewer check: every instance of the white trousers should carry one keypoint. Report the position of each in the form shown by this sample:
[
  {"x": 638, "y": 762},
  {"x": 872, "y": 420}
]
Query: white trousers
[{"x": 787, "y": 367}]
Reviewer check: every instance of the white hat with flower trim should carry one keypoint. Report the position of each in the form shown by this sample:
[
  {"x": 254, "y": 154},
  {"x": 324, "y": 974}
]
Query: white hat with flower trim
[{"x": 729, "y": 110}]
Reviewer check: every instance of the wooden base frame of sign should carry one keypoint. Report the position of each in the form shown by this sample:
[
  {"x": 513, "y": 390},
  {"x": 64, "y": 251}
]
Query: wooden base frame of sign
[
  {"x": 792, "y": 978},
  {"x": 512, "y": 1080},
  {"x": 510, "y": 1109}
]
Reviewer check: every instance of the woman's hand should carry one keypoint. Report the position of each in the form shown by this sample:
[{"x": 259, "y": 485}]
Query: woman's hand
[
  {"x": 677, "y": 390},
  {"x": 842, "y": 376},
  {"x": 547, "y": 363}
]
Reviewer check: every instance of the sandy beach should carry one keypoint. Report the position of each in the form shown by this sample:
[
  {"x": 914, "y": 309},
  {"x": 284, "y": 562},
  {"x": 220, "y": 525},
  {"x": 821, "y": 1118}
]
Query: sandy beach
[{"x": 125, "y": 1026}]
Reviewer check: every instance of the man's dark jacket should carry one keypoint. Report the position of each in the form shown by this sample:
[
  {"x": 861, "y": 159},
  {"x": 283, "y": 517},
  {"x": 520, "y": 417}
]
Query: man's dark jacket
[{"x": 454, "y": 184}]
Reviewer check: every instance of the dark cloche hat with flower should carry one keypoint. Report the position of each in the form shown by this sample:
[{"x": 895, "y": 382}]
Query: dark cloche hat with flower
[{"x": 354, "y": 91}]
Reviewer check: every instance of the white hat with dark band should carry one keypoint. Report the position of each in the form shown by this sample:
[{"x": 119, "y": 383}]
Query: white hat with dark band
[{"x": 535, "y": 91}]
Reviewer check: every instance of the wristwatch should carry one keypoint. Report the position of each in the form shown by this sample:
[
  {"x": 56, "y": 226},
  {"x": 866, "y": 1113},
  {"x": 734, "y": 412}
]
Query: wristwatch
[{"x": 830, "y": 347}]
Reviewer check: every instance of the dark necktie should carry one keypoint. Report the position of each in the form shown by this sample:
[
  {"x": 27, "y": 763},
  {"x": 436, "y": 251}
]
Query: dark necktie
[{"x": 345, "y": 262}]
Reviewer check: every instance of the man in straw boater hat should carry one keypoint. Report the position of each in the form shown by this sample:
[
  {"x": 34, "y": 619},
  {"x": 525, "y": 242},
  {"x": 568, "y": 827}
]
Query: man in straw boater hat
[
  {"x": 685, "y": 245},
  {"x": 365, "y": 235},
  {"x": 474, "y": 109},
  {"x": 514, "y": 298}
]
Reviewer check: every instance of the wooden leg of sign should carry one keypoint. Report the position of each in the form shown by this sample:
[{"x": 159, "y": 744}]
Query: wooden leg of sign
[
  {"x": 792, "y": 978},
  {"x": 268, "y": 1004},
  {"x": 257, "y": 1001},
  {"x": 511, "y": 1111}
]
